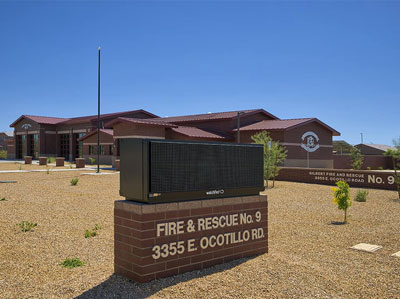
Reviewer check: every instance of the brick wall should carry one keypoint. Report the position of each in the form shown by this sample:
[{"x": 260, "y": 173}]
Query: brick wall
[
  {"x": 136, "y": 242},
  {"x": 355, "y": 178},
  {"x": 344, "y": 162}
]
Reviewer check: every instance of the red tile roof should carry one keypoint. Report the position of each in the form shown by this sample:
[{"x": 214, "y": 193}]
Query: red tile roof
[
  {"x": 41, "y": 119},
  {"x": 89, "y": 118},
  {"x": 151, "y": 122},
  {"x": 76, "y": 120},
  {"x": 280, "y": 124},
  {"x": 214, "y": 116},
  {"x": 105, "y": 131},
  {"x": 283, "y": 124},
  {"x": 199, "y": 133},
  {"x": 382, "y": 147}
]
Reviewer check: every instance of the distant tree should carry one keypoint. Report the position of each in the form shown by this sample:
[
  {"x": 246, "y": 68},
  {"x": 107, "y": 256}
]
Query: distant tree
[
  {"x": 274, "y": 155},
  {"x": 341, "y": 197},
  {"x": 395, "y": 154},
  {"x": 356, "y": 158}
]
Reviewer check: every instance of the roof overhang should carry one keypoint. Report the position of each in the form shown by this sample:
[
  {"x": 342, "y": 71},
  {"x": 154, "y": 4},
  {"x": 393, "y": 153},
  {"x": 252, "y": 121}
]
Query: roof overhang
[
  {"x": 139, "y": 121},
  {"x": 290, "y": 127}
]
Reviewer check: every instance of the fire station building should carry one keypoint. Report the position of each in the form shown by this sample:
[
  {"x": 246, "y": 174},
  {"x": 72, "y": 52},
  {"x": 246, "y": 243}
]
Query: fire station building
[{"x": 308, "y": 140}]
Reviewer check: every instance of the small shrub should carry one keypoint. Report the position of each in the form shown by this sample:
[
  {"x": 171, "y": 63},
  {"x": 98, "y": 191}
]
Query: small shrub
[
  {"x": 70, "y": 166},
  {"x": 72, "y": 263},
  {"x": 3, "y": 155},
  {"x": 368, "y": 167},
  {"x": 361, "y": 196},
  {"x": 47, "y": 170},
  {"x": 26, "y": 226},
  {"x": 380, "y": 168},
  {"x": 356, "y": 158},
  {"x": 74, "y": 181},
  {"x": 20, "y": 167},
  {"x": 341, "y": 197},
  {"x": 92, "y": 160},
  {"x": 92, "y": 233},
  {"x": 3, "y": 199},
  {"x": 51, "y": 160}
]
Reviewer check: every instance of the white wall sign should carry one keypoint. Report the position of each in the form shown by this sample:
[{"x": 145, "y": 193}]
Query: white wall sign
[
  {"x": 310, "y": 141},
  {"x": 26, "y": 126}
]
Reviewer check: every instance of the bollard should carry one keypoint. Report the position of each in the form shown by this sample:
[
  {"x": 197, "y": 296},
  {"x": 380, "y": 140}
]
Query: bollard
[
  {"x": 60, "y": 161},
  {"x": 42, "y": 160},
  {"x": 80, "y": 162},
  {"x": 28, "y": 159}
]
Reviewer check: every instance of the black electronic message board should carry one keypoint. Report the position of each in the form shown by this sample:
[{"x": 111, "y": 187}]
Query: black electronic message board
[{"x": 167, "y": 170}]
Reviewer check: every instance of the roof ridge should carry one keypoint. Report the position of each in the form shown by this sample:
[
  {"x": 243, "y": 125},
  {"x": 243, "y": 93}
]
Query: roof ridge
[
  {"x": 30, "y": 115},
  {"x": 284, "y": 119},
  {"x": 246, "y": 110}
]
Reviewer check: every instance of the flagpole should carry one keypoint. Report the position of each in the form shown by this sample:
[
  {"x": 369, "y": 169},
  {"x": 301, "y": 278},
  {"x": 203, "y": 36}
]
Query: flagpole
[{"x": 98, "y": 114}]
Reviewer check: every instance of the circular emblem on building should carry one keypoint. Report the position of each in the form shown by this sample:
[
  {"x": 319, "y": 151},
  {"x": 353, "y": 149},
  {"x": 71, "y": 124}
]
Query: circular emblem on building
[
  {"x": 26, "y": 126},
  {"x": 310, "y": 141}
]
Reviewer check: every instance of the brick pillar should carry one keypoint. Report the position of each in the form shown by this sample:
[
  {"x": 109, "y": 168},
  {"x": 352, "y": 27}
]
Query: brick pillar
[
  {"x": 27, "y": 144},
  {"x": 57, "y": 145},
  {"x": 115, "y": 153},
  {"x": 71, "y": 146},
  {"x": 42, "y": 142}
]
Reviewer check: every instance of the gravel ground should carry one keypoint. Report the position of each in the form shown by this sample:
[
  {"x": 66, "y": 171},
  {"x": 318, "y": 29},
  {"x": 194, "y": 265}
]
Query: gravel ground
[{"x": 308, "y": 257}]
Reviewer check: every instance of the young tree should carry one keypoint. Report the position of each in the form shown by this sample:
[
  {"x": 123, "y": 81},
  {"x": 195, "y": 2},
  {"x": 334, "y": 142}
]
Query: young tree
[
  {"x": 341, "y": 197},
  {"x": 279, "y": 155},
  {"x": 356, "y": 158},
  {"x": 274, "y": 154},
  {"x": 395, "y": 154}
]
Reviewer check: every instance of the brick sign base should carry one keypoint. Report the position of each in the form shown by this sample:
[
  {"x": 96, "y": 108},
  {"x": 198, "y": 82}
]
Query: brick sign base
[
  {"x": 355, "y": 178},
  {"x": 152, "y": 241}
]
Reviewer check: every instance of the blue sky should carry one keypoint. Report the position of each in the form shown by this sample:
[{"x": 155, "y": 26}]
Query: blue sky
[{"x": 337, "y": 61}]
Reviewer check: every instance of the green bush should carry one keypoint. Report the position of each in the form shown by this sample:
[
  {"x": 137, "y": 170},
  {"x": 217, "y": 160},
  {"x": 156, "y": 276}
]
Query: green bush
[
  {"x": 92, "y": 233},
  {"x": 3, "y": 155},
  {"x": 356, "y": 158},
  {"x": 369, "y": 168},
  {"x": 3, "y": 199},
  {"x": 72, "y": 263},
  {"x": 361, "y": 196},
  {"x": 74, "y": 181},
  {"x": 380, "y": 168},
  {"x": 341, "y": 197},
  {"x": 26, "y": 226},
  {"x": 92, "y": 160},
  {"x": 51, "y": 160}
]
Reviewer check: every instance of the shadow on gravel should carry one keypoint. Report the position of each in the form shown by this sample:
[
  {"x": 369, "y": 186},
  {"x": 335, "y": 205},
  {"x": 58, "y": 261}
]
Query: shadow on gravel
[
  {"x": 337, "y": 223},
  {"x": 117, "y": 286}
]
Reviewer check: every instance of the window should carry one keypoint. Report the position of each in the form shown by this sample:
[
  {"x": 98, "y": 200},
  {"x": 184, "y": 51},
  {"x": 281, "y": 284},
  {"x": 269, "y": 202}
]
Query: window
[
  {"x": 79, "y": 145},
  {"x": 93, "y": 150},
  {"x": 101, "y": 150},
  {"x": 111, "y": 150}
]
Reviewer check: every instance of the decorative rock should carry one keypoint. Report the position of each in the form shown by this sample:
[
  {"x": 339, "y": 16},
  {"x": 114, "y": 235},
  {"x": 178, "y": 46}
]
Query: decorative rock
[
  {"x": 28, "y": 159},
  {"x": 366, "y": 247}
]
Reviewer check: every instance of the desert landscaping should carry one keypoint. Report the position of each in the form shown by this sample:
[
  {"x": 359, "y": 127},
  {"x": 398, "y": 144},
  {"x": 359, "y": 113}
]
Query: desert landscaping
[{"x": 309, "y": 252}]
